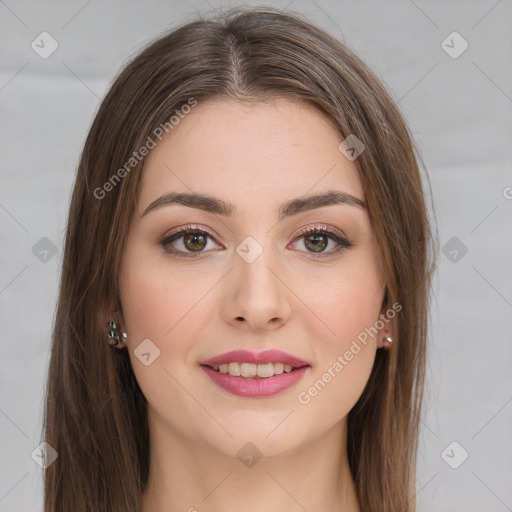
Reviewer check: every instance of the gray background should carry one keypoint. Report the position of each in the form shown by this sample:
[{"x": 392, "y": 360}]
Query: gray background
[{"x": 459, "y": 110}]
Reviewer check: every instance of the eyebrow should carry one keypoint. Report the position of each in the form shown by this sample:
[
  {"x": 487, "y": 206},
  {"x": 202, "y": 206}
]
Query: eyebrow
[{"x": 218, "y": 206}]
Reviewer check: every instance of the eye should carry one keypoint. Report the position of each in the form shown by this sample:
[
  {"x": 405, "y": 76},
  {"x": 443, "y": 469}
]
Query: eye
[
  {"x": 317, "y": 241},
  {"x": 188, "y": 241},
  {"x": 191, "y": 241}
]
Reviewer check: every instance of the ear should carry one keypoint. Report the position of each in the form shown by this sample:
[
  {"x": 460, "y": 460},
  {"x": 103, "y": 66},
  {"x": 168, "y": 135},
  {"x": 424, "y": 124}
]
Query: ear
[
  {"x": 106, "y": 314},
  {"x": 385, "y": 324}
]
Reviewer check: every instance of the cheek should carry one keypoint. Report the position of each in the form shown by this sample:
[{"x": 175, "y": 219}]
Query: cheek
[
  {"x": 344, "y": 359},
  {"x": 169, "y": 306},
  {"x": 345, "y": 301},
  {"x": 348, "y": 302},
  {"x": 157, "y": 300},
  {"x": 160, "y": 306}
]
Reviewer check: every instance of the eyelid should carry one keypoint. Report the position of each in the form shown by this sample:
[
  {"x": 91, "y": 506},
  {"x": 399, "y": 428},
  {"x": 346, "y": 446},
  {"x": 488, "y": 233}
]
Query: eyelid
[
  {"x": 180, "y": 232},
  {"x": 189, "y": 227},
  {"x": 321, "y": 227},
  {"x": 336, "y": 235},
  {"x": 341, "y": 240}
]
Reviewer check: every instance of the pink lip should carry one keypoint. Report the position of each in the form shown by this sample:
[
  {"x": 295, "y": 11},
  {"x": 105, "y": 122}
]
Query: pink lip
[
  {"x": 267, "y": 356},
  {"x": 254, "y": 388}
]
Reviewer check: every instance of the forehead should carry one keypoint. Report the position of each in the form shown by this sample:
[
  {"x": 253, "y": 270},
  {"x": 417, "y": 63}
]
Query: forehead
[{"x": 250, "y": 154}]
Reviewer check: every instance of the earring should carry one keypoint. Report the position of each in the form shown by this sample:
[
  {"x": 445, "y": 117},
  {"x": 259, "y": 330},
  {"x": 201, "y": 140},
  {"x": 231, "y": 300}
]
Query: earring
[
  {"x": 117, "y": 339},
  {"x": 389, "y": 339}
]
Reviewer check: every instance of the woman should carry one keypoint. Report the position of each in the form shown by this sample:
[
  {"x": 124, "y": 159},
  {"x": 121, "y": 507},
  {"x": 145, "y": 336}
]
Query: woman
[{"x": 243, "y": 305}]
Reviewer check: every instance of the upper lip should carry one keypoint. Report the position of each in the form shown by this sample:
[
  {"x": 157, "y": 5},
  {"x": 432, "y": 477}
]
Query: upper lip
[{"x": 245, "y": 356}]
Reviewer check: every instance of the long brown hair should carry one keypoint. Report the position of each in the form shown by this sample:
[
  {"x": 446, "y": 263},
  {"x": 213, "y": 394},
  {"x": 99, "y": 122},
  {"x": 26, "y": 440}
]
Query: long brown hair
[{"x": 95, "y": 415}]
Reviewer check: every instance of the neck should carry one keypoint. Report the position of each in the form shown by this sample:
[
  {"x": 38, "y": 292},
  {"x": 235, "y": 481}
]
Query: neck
[{"x": 192, "y": 476}]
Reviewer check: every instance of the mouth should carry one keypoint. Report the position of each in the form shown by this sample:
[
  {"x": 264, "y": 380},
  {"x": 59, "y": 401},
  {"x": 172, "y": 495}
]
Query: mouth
[
  {"x": 253, "y": 375},
  {"x": 254, "y": 371}
]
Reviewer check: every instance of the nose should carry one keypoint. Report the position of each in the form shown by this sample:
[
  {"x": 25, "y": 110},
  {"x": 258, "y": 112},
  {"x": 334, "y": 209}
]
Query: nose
[{"x": 257, "y": 296}]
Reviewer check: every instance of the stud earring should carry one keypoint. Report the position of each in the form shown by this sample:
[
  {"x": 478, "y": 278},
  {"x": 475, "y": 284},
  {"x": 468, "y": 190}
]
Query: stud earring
[
  {"x": 389, "y": 339},
  {"x": 116, "y": 339}
]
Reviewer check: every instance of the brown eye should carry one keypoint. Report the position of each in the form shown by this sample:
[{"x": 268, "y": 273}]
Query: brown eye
[
  {"x": 315, "y": 242},
  {"x": 195, "y": 241},
  {"x": 187, "y": 242}
]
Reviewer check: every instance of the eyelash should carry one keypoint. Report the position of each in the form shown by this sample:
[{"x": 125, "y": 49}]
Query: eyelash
[{"x": 165, "y": 241}]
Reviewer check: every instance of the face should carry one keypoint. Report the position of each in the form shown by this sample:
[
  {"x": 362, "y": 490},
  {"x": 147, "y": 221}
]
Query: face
[{"x": 250, "y": 270}]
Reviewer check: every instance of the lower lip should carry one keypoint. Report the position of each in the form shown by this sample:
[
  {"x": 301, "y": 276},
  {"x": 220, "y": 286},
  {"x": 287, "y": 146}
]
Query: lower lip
[{"x": 254, "y": 388}]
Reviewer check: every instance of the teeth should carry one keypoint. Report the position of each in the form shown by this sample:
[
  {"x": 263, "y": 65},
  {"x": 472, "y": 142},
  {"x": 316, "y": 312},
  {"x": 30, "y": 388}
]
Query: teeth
[
  {"x": 265, "y": 370},
  {"x": 250, "y": 370},
  {"x": 233, "y": 369}
]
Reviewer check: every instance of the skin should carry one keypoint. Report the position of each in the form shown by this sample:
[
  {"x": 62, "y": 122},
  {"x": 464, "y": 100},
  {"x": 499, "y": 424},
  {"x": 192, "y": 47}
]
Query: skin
[{"x": 255, "y": 156}]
